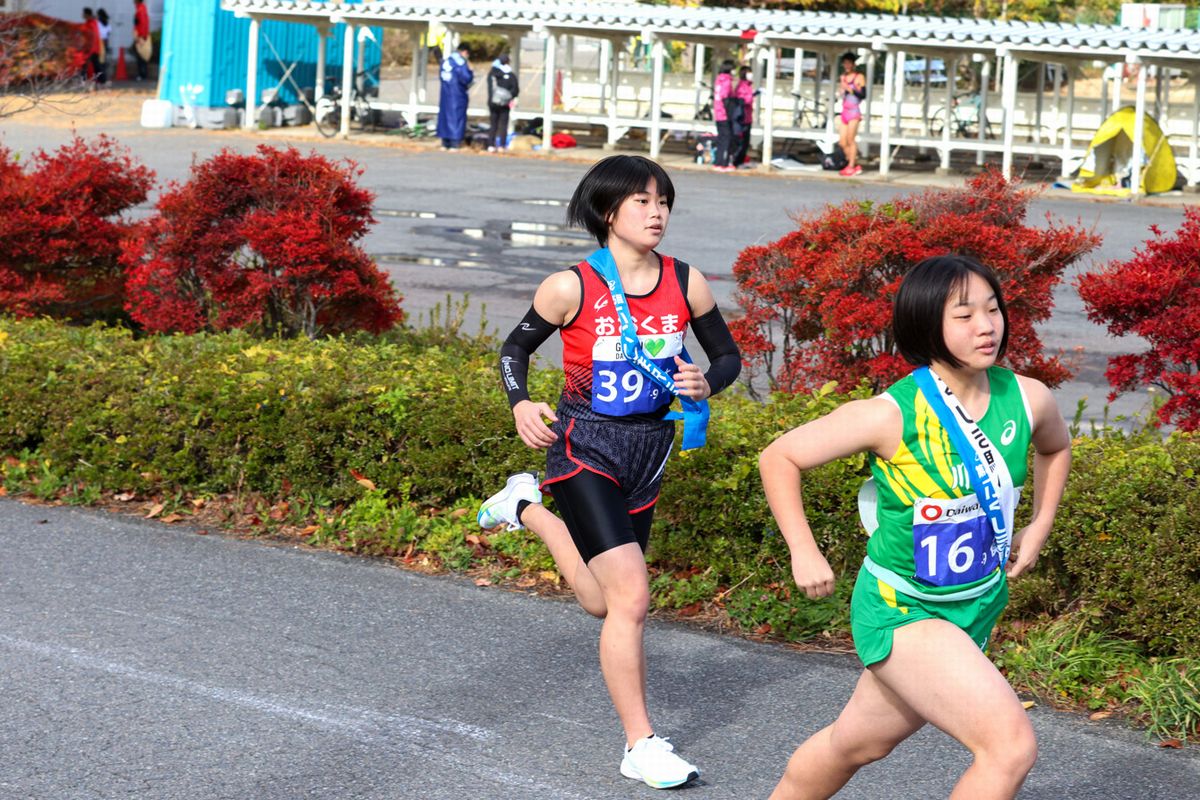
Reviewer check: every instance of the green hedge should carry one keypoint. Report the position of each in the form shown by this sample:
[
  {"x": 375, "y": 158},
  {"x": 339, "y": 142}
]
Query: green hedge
[{"x": 422, "y": 416}]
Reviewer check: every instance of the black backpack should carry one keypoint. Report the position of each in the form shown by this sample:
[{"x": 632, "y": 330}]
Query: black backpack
[
  {"x": 735, "y": 112},
  {"x": 836, "y": 160}
]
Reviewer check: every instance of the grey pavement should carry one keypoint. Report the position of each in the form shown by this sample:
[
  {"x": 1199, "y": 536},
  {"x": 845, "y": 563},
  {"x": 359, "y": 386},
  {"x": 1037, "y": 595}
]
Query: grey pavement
[
  {"x": 456, "y": 223},
  {"x": 141, "y": 660}
]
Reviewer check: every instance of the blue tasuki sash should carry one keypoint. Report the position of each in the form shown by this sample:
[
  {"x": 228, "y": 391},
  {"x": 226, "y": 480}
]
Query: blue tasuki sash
[
  {"x": 990, "y": 499},
  {"x": 695, "y": 412}
]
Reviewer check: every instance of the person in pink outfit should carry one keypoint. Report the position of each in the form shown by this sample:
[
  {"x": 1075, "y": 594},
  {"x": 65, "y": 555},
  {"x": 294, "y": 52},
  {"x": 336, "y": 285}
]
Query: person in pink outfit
[
  {"x": 853, "y": 89},
  {"x": 745, "y": 92},
  {"x": 723, "y": 99}
]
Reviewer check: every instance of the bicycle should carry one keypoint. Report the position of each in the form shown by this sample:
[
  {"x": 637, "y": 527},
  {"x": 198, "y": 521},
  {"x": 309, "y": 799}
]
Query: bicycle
[
  {"x": 808, "y": 113},
  {"x": 705, "y": 112},
  {"x": 328, "y": 113},
  {"x": 964, "y": 117}
]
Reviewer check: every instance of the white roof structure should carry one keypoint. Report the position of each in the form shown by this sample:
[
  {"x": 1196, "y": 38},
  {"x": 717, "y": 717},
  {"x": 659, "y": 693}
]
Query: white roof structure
[
  {"x": 599, "y": 18},
  {"x": 889, "y": 36}
]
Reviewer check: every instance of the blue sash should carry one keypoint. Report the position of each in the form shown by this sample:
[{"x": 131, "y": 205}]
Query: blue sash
[
  {"x": 695, "y": 412},
  {"x": 979, "y": 475}
]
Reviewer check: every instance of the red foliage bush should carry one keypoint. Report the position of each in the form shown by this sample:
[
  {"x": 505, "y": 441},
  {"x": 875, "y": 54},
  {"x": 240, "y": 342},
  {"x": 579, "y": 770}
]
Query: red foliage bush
[
  {"x": 265, "y": 241},
  {"x": 818, "y": 302},
  {"x": 1155, "y": 295},
  {"x": 36, "y": 49},
  {"x": 62, "y": 226}
]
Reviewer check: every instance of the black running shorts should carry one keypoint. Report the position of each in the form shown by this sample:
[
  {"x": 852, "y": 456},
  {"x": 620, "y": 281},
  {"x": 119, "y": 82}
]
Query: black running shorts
[
  {"x": 631, "y": 452},
  {"x": 607, "y": 471}
]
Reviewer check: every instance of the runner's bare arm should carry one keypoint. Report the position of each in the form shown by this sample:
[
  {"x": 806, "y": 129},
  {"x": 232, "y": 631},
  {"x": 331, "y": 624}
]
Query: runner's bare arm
[
  {"x": 858, "y": 426},
  {"x": 1051, "y": 464}
]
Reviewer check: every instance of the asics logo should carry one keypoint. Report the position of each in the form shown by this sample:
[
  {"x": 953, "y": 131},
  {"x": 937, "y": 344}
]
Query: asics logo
[
  {"x": 601, "y": 303},
  {"x": 1009, "y": 433}
]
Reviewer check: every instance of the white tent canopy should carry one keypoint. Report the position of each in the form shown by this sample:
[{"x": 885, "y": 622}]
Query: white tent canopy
[{"x": 892, "y": 37}]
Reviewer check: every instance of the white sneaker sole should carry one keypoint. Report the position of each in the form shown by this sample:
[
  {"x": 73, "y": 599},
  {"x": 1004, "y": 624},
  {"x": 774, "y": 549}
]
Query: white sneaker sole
[{"x": 629, "y": 772}]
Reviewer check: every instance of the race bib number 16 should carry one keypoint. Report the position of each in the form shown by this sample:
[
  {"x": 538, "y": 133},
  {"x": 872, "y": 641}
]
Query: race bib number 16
[{"x": 952, "y": 541}]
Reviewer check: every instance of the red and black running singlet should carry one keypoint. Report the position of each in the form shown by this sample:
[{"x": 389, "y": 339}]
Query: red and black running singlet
[{"x": 592, "y": 361}]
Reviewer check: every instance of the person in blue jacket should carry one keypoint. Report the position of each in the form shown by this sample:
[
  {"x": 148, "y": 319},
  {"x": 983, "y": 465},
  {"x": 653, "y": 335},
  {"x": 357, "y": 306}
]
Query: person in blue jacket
[{"x": 457, "y": 78}]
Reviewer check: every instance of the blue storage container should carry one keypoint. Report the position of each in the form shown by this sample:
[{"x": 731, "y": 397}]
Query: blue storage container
[{"x": 204, "y": 48}]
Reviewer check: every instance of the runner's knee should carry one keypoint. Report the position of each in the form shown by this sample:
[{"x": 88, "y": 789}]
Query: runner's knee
[
  {"x": 1011, "y": 748},
  {"x": 858, "y": 751}
]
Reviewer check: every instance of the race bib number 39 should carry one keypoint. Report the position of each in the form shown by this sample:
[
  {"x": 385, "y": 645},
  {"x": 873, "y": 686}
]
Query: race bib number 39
[
  {"x": 953, "y": 542},
  {"x": 618, "y": 387}
]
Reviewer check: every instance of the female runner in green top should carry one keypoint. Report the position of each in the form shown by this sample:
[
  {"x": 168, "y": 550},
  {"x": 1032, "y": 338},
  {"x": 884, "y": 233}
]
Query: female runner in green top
[{"x": 933, "y": 583}]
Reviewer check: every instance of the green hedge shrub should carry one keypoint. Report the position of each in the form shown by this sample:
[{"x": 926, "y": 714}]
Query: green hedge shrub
[{"x": 422, "y": 416}]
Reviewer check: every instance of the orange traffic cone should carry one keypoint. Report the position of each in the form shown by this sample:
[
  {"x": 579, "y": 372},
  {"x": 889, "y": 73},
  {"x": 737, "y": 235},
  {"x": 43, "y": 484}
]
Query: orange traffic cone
[{"x": 122, "y": 74}]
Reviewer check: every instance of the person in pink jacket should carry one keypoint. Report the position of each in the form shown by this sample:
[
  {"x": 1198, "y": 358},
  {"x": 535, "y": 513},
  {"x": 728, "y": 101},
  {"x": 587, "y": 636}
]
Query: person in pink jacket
[
  {"x": 745, "y": 92},
  {"x": 723, "y": 98}
]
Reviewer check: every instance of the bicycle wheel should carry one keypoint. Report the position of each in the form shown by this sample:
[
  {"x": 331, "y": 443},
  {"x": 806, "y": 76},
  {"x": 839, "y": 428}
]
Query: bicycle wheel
[
  {"x": 362, "y": 113},
  {"x": 328, "y": 116},
  {"x": 937, "y": 122}
]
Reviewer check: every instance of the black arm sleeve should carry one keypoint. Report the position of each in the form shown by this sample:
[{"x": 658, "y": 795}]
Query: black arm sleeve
[
  {"x": 514, "y": 354},
  {"x": 725, "y": 362}
]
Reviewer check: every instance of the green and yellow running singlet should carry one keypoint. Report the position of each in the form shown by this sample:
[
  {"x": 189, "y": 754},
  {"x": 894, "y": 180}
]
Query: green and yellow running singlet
[{"x": 931, "y": 528}]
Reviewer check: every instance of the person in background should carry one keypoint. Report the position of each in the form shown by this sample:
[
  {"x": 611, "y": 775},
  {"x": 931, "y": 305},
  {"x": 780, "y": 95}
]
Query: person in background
[
  {"x": 722, "y": 91},
  {"x": 142, "y": 48},
  {"x": 103, "y": 29},
  {"x": 853, "y": 88},
  {"x": 503, "y": 89},
  {"x": 91, "y": 70},
  {"x": 457, "y": 78},
  {"x": 745, "y": 92}
]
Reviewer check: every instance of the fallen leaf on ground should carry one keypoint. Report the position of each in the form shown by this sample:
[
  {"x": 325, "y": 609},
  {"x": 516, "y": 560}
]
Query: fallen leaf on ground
[
  {"x": 473, "y": 539},
  {"x": 124, "y": 497},
  {"x": 549, "y": 575},
  {"x": 309, "y": 531},
  {"x": 1174, "y": 744},
  {"x": 482, "y": 582},
  {"x": 172, "y": 518},
  {"x": 198, "y": 502},
  {"x": 690, "y": 610},
  {"x": 1028, "y": 704},
  {"x": 3, "y": 491},
  {"x": 458, "y": 513},
  {"x": 362, "y": 480},
  {"x": 1100, "y": 715},
  {"x": 155, "y": 510},
  {"x": 764, "y": 629}
]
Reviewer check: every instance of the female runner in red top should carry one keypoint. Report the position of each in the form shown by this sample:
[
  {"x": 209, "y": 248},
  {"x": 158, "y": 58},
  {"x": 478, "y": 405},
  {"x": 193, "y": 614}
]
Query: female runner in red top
[{"x": 607, "y": 442}]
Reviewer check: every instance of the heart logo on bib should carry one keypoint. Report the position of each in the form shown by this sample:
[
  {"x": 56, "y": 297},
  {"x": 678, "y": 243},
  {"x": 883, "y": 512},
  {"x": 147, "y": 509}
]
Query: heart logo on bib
[{"x": 655, "y": 346}]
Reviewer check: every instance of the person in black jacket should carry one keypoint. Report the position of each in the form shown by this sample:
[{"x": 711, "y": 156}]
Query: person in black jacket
[{"x": 503, "y": 89}]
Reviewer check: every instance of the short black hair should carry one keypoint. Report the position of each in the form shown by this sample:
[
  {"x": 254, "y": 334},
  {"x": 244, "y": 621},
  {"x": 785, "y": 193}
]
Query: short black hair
[
  {"x": 726, "y": 66},
  {"x": 849, "y": 54},
  {"x": 607, "y": 184},
  {"x": 921, "y": 302},
  {"x": 463, "y": 48}
]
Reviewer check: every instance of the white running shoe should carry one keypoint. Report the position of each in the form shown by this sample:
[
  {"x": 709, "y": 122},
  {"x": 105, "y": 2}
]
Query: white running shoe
[
  {"x": 502, "y": 506},
  {"x": 653, "y": 762}
]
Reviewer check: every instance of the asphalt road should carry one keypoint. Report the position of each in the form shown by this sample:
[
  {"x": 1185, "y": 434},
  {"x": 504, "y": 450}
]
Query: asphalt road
[
  {"x": 146, "y": 661},
  {"x": 491, "y": 226}
]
